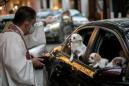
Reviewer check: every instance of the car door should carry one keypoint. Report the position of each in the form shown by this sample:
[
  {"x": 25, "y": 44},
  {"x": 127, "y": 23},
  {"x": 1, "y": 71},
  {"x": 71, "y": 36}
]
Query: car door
[{"x": 110, "y": 44}]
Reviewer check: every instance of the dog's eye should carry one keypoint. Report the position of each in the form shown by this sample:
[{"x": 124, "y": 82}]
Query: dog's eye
[
  {"x": 74, "y": 38},
  {"x": 91, "y": 57}
]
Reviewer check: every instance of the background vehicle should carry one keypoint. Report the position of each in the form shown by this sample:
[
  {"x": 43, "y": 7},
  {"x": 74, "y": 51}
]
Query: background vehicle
[
  {"x": 4, "y": 19},
  {"x": 57, "y": 31},
  {"x": 77, "y": 18},
  {"x": 42, "y": 15},
  {"x": 106, "y": 37}
]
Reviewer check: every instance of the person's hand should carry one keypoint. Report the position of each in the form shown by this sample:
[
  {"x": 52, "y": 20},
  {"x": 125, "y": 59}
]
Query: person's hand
[
  {"x": 37, "y": 62},
  {"x": 46, "y": 55}
]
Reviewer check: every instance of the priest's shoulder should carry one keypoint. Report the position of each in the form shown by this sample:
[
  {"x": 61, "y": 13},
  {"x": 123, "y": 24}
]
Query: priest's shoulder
[{"x": 11, "y": 35}]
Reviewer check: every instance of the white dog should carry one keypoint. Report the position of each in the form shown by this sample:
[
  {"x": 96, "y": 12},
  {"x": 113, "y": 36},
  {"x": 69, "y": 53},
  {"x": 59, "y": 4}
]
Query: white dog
[
  {"x": 97, "y": 61},
  {"x": 116, "y": 62},
  {"x": 77, "y": 46}
]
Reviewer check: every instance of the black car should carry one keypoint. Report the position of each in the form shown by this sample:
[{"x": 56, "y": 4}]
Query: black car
[{"x": 108, "y": 38}]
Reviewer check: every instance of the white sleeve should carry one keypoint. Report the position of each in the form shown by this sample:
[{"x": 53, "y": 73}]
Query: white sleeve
[
  {"x": 36, "y": 38},
  {"x": 16, "y": 65}
]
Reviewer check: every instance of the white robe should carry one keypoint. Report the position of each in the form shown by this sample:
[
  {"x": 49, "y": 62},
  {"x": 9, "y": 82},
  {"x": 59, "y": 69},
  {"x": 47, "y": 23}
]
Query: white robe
[
  {"x": 36, "y": 38},
  {"x": 15, "y": 70}
]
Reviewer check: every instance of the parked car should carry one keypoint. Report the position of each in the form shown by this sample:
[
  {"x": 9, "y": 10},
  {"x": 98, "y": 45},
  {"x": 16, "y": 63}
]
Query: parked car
[
  {"x": 4, "y": 19},
  {"x": 42, "y": 15},
  {"x": 52, "y": 26},
  {"x": 77, "y": 17},
  {"x": 62, "y": 30},
  {"x": 52, "y": 32},
  {"x": 107, "y": 38}
]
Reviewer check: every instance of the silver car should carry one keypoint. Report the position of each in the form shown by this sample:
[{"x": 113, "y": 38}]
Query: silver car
[{"x": 77, "y": 18}]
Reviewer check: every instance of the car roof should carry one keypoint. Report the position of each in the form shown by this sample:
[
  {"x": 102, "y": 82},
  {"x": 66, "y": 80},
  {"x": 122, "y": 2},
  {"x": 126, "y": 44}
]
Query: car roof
[{"x": 121, "y": 24}]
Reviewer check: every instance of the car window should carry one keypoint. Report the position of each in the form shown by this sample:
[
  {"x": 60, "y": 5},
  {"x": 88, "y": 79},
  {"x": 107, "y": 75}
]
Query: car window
[
  {"x": 107, "y": 48},
  {"x": 74, "y": 48}
]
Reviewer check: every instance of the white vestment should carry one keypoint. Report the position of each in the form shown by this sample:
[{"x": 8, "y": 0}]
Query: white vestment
[
  {"x": 15, "y": 69},
  {"x": 36, "y": 38}
]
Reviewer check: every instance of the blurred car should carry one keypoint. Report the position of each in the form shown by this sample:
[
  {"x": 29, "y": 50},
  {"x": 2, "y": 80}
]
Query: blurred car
[
  {"x": 77, "y": 18},
  {"x": 48, "y": 16},
  {"x": 52, "y": 32},
  {"x": 107, "y": 38},
  {"x": 51, "y": 19},
  {"x": 42, "y": 15},
  {"x": 4, "y": 19},
  {"x": 62, "y": 30}
]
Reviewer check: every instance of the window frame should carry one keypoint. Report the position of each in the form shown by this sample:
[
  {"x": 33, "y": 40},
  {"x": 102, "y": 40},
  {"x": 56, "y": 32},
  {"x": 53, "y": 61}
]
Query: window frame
[
  {"x": 89, "y": 44},
  {"x": 117, "y": 35}
]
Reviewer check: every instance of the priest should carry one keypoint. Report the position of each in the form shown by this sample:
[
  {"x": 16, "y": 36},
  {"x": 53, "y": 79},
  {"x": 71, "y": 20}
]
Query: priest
[{"x": 16, "y": 64}]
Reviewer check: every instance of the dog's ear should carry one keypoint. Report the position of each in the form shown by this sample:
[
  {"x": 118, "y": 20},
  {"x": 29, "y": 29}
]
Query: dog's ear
[{"x": 97, "y": 57}]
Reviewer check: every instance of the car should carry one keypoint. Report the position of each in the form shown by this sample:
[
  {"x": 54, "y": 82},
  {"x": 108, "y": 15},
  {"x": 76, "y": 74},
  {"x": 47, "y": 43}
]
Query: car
[
  {"x": 77, "y": 18},
  {"x": 58, "y": 31},
  {"x": 52, "y": 27},
  {"x": 52, "y": 32},
  {"x": 48, "y": 16},
  {"x": 108, "y": 38},
  {"x": 51, "y": 19},
  {"x": 4, "y": 19},
  {"x": 42, "y": 15}
]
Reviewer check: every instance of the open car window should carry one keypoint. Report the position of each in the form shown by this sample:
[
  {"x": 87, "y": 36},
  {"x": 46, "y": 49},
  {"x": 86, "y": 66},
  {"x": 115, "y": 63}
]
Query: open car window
[
  {"x": 107, "y": 52},
  {"x": 76, "y": 44},
  {"x": 108, "y": 57}
]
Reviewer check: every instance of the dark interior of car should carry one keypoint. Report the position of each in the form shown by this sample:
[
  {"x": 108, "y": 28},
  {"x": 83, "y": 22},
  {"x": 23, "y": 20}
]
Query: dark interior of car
[
  {"x": 85, "y": 33},
  {"x": 110, "y": 47}
]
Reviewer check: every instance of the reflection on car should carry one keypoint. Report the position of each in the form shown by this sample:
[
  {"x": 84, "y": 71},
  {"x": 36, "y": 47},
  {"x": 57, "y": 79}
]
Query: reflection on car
[{"x": 107, "y": 39}]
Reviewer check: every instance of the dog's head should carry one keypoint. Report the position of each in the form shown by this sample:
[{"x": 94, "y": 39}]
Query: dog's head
[
  {"x": 94, "y": 58},
  {"x": 119, "y": 61},
  {"x": 76, "y": 37}
]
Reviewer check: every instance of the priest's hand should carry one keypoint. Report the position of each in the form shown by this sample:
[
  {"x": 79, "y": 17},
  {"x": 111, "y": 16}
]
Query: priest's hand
[
  {"x": 37, "y": 63},
  {"x": 47, "y": 55}
]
